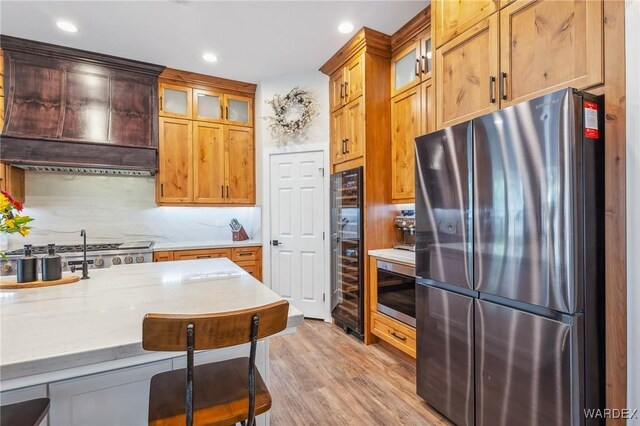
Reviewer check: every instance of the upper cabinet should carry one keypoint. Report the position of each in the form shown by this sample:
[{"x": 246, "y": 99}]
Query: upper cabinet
[
  {"x": 412, "y": 64},
  {"x": 452, "y": 17},
  {"x": 207, "y": 149},
  {"x": 181, "y": 101},
  {"x": 466, "y": 74},
  {"x": 175, "y": 101},
  {"x": 524, "y": 50},
  {"x": 547, "y": 45},
  {"x": 347, "y": 83},
  {"x": 412, "y": 108}
]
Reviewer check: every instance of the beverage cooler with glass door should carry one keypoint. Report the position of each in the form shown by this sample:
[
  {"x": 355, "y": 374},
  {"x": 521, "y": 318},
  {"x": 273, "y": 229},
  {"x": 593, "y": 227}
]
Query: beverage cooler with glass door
[{"x": 346, "y": 251}]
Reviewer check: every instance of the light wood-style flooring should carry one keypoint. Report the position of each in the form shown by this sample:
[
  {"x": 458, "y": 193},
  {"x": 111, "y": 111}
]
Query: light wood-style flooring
[{"x": 322, "y": 376}]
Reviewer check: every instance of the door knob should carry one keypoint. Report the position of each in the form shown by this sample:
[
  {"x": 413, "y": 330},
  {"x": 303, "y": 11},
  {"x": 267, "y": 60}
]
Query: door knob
[{"x": 276, "y": 243}]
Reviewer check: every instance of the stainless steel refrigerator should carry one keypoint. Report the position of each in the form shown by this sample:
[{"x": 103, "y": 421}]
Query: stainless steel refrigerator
[
  {"x": 509, "y": 259},
  {"x": 346, "y": 251}
]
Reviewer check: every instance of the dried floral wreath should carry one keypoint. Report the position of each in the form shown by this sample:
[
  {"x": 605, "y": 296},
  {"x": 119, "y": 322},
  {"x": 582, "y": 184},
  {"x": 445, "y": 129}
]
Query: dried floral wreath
[{"x": 292, "y": 114}]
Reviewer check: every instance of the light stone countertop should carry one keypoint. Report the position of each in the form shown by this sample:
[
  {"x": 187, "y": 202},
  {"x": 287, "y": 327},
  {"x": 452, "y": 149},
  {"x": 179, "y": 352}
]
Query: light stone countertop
[
  {"x": 404, "y": 256},
  {"x": 100, "y": 319},
  {"x": 195, "y": 245}
]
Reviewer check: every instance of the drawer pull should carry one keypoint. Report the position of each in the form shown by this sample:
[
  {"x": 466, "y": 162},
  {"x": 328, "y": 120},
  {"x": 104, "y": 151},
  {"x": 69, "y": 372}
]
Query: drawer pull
[
  {"x": 205, "y": 256},
  {"x": 245, "y": 253},
  {"x": 393, "y": 333}
]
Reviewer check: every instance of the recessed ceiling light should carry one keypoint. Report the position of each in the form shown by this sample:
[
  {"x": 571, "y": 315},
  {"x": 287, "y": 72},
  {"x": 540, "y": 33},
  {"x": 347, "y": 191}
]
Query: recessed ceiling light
[
  {"x": 345, "y": 27},
  {"x": 67, "y": 26},
  {"x": 210, "y": 57}
]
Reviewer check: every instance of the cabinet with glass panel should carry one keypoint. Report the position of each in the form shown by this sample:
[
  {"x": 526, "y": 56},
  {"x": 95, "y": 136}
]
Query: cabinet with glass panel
[
  {"x": 212, "y": 161},
  {"x": 412, "y": 101},
  {"x": 205, "y": 105},
  {"x": 411, "y": 63}
]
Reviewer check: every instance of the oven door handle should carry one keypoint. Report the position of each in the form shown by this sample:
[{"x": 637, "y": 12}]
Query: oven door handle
[{"x": 396, "y": 268}]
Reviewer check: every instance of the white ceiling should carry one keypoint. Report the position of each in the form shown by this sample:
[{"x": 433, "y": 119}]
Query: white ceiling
[{"x": 253, "y": 40}]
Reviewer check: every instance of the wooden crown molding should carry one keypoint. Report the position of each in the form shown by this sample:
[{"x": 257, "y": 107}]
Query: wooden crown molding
[
  {"x": 16, "y": 44},
  {"x": 412, "y": 28},
  {"x": 188, "y": 78},
  {"x": 374, "y": 41}
]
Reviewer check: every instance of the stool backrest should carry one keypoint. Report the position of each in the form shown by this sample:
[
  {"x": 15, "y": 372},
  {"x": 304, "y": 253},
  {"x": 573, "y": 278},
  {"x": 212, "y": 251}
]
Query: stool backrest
[{"x": 166, "y": 332}]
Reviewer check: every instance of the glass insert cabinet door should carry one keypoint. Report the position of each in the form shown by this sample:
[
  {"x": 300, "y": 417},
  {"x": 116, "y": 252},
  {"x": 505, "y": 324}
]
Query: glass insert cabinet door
[
  {"x": 406, "y": 68},
  {"x": 239, "y": 110},
  {"x": 175, "y": 101},
  {"x": 207, "y": 105}
]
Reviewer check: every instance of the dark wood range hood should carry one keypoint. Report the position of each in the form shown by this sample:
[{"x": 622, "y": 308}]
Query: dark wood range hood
[{"x": 76, "y": 110}]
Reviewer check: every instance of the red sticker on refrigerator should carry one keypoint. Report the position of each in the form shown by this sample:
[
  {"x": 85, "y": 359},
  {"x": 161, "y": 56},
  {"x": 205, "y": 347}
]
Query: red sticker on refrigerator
[{"x": 591, "y": 120}]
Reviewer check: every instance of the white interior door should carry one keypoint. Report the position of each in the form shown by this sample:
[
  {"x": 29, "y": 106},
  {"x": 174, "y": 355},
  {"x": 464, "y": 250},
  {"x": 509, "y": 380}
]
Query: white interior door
[{"x": 297, "y": 218}]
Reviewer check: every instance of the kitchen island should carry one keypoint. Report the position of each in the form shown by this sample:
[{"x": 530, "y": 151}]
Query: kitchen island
[{"x": 81, "y": 344}]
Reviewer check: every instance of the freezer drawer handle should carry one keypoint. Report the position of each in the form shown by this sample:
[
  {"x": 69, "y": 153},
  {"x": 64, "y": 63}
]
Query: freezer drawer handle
[{"x": 397, "y": 336}]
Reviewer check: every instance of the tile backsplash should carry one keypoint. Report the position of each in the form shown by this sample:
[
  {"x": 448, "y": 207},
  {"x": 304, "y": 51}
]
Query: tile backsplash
[{"x": 114, "y": 208}]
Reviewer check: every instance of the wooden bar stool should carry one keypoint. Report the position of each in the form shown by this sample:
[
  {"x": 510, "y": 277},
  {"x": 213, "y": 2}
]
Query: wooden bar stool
[
  {"x": 26, "y": 413},
  {"x": 220, "y": 393}
]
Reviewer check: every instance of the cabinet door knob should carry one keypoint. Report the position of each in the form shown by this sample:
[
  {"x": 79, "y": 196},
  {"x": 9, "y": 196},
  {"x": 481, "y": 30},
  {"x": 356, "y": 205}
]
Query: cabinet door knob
[
  {"x": 417, "y": 67},
  {"x": 424, "y": 64},
  {"x": 346, "y": 91},
  {"x": 341, "y": 90},
  {"x": 346, "y": 144}
]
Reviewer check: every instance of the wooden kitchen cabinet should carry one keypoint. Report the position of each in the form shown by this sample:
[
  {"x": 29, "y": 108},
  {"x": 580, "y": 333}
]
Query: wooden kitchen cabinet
[
  {"x": 175, "y": 177},
  {"x": 360, "y": 135},
  {"x": 338, "y": 135},
  {"x": 248, "y": 258},
  {"x": 175, "y": 100},
  {"x": 239, "y": 165},
  {"x": 390, "y": 330},
  {"x": 412, "y": 64},
  {"x": 336, "y": 90},
  {"x": 466, "y": 75},
  {"x": 525, "y": 50},
  {"x": 209, "y": 162},
  {"x": 412, "y": 115},
  {"x": 355, "y": 129},
  {"x": 217, "y": 159},
  {"x": 238, "y": 110},
  {"x": 347, "y": 83},
  {"x": 354, "y": 78},
  {"x": 453, "y": 17},
  {"x": 548, "y": 45},
  {"x": 201, "y": 254},
  {"x": 208, "y": 106},
  {"x": 12, "y": 181},
  {"x": 162, "y": 256}
]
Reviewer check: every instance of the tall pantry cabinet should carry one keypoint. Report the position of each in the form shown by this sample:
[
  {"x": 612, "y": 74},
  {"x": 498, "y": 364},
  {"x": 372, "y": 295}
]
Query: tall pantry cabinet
[
  {"x": 206, "y": 140},
  {"x": 412, "y": 101},
  {"x": 359, "y": 99}
]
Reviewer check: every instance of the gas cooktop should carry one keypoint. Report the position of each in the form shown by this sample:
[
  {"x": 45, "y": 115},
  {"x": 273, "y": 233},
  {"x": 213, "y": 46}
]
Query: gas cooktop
[{"x": 78, "y": 248}]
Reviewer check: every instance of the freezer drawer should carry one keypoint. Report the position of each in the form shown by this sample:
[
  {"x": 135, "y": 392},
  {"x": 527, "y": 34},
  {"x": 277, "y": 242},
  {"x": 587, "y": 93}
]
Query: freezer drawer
[
  {"x": 527, "y": 368},
  {"x": 445, "y": 378}
]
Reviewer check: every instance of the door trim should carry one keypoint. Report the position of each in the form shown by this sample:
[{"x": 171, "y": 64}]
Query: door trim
[{"x": 267, "y": 152}]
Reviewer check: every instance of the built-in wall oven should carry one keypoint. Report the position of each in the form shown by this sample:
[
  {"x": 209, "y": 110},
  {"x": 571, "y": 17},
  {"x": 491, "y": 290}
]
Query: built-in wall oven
[{"x": 397, "y": 291}]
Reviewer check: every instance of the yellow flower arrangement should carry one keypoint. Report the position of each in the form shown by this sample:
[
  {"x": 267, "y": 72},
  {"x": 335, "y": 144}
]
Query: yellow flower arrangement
[{"x": 10, "y": 220}]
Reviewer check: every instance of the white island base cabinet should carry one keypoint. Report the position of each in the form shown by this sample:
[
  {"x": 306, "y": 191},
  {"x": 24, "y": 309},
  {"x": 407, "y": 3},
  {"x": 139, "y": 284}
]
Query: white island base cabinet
[{"x": 120, "y": 397}]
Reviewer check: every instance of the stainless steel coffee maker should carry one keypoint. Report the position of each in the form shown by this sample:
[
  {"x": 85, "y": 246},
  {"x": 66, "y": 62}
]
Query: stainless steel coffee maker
[{"x": 406, "y": 230}]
